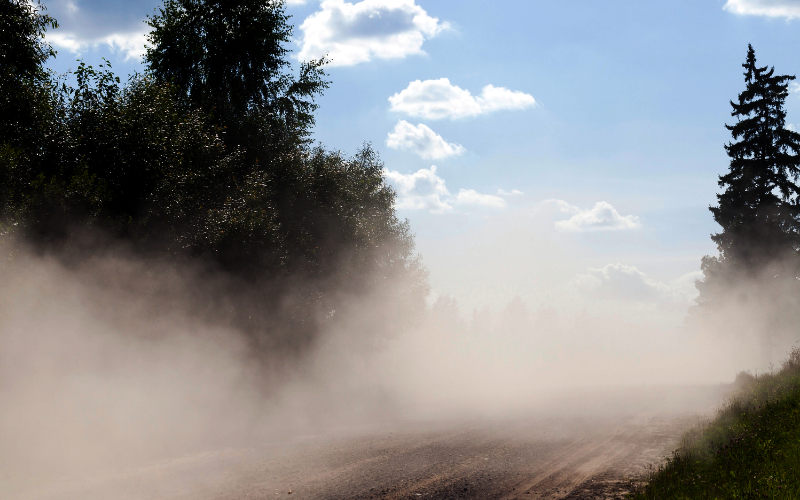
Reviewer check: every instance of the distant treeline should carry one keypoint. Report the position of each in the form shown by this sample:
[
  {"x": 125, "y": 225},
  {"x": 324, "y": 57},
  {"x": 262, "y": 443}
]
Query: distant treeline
[{"x": 204, "y": 157}]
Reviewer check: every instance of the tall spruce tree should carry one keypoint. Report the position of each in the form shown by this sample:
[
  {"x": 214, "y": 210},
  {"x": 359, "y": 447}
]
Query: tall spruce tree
[{"x": 758, "y": 210}]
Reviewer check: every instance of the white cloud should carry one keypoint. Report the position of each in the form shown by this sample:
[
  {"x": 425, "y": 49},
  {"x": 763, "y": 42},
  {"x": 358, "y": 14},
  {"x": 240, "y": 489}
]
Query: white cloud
[
  {"x": 67, "y": 41},
  {"x": 437, "y": 99},
  {"x": 88, "y": 24},
  {"x": 372, "y": 29},
  {"x": 295, "y": 2},
  {"x": 131, "y": 45},
  {"x": 422, "y": 190},
  {"x": 425, "y": 190},
  {"x": 513, "y": 192},
  {"x": 601, "y": 217},
  {"x": 684, "y": 286},
  {"x": 472, "y": 197},
  {"x": 422, "y": 140},
  {"x": 621, "y": 281},
  {"x": 771, "y": 8}
]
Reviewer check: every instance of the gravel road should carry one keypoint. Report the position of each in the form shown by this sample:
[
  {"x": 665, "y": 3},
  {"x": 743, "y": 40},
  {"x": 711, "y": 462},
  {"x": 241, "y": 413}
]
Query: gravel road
[{"x": 583, "y": 447}]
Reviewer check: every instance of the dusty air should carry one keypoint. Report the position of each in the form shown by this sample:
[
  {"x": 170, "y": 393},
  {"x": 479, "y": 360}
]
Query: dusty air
[{"x": 399, "y": 249}]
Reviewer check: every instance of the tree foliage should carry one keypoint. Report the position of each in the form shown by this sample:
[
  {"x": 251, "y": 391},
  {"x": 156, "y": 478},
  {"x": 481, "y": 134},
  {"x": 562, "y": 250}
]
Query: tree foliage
[
  {"x": 27, "y": 110},
  {"x": 228, "y": 57},
  {"x": 22, "y": 77},
  {"x": 758, "y": 209},
  {"x": 22, "y": 50},
  {"x": 205, "y": 158},
  {"x": 22, "y": 55}
]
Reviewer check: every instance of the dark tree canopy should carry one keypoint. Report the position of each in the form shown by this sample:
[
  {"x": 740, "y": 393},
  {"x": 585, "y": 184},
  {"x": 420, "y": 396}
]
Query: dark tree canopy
[
  {"x": 22, "y": 49},
  {"x": 205, "y": 158},
  {"x": 759, "y": 207},
  {"x": 228, "y": 57},
  {"x": 22, "y": 55}
]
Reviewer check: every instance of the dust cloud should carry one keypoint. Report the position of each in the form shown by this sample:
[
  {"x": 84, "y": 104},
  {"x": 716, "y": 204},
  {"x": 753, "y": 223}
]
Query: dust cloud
[
  {"x": 118, "y": 362},
  {"x": 99, "y": 369}
]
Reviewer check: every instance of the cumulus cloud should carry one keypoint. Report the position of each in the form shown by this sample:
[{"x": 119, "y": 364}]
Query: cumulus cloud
[
  {"x": 620, "y": 281},
  {"x": 353, "y": 33},
  {"x": 438, "y": 99},
  {"x": 685, "y": 285},
  {"x": 422, "y": 190},
  {"x": 87, "y": 24},
  {"x": 131, "y": 45},
  {"x": 421, "y": 140},
  {"x": 771, "y": 8},
  {"x": 601, "y": 217},
  {"x": 513, "y": 192},
  {"x": 472, "y": 197},
  {"x": 425, "y": 190}
]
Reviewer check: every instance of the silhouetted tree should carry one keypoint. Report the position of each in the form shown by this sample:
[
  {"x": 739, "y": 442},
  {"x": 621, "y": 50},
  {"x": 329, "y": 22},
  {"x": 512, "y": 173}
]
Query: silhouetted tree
[
  {"x": 22, "y": 55},
  {"x": 228, "y": 57},
  {"x": 758, "y": 209},
  {"x": 29, "y": 128},
  {"x": 206, "y": 157},
  {"x": 515, "y": 318}
]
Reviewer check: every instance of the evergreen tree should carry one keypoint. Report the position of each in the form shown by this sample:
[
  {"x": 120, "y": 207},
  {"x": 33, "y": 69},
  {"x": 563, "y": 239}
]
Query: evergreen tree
[
  {"x": 228, "y": 57},
  {"x": 758, "y": 210}
]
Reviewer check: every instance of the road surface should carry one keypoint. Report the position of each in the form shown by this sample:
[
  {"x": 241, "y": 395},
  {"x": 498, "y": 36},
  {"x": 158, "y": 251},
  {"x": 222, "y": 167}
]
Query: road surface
[{"x": 585, "y": 450}]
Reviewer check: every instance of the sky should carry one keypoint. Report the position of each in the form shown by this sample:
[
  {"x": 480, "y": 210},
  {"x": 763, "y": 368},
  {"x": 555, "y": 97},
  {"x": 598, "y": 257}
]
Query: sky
[{"x": 563, "y": 152}]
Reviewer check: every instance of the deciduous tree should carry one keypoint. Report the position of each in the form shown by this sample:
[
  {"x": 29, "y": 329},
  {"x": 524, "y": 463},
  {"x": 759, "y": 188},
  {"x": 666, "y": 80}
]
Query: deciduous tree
[{"x": 229, "y": 57}]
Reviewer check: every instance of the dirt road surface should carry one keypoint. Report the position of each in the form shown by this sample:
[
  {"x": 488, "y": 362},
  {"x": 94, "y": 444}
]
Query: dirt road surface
[{"x": 580, "y": 448}]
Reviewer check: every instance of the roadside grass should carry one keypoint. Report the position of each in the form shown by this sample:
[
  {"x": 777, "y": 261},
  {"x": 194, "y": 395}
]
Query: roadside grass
[{"x": 750, "y": 450}]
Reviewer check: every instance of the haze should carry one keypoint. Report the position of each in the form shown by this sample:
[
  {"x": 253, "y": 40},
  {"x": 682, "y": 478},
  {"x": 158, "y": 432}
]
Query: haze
[{"x": 555, "y": 164}]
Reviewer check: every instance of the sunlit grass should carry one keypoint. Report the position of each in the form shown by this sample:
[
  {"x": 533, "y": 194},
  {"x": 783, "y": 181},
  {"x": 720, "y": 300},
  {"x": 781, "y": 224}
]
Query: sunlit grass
[{"x": 750, "y": 450}]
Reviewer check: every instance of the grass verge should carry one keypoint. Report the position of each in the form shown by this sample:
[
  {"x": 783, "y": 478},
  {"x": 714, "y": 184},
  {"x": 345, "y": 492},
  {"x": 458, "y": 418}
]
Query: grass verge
[{"x": 750, "y": 450}]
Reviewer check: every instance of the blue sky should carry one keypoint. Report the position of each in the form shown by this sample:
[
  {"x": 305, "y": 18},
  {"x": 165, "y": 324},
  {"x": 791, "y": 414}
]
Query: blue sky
[{"x": 576, "y": 144}]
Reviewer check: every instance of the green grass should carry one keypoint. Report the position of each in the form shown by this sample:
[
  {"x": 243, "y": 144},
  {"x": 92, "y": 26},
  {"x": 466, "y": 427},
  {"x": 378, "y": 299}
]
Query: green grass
[{"x": 751, "y": 449}]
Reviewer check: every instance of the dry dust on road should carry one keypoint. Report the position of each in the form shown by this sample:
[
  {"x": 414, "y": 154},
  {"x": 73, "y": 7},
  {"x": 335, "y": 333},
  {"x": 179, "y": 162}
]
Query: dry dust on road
[{"x": 583, "y": 447}]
